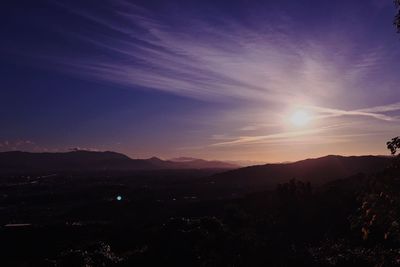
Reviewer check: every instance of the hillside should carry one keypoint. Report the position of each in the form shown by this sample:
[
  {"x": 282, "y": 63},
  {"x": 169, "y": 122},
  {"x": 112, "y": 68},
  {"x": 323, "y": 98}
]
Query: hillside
[{"x": 316, "y": 171}]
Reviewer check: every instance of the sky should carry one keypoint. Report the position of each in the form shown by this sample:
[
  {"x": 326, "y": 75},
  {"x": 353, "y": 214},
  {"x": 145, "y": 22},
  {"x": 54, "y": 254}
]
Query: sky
[{"x": 266, "y": 81}]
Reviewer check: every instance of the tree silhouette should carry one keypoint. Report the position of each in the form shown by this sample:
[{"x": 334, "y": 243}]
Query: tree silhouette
[{"x": 394, "y": 144}]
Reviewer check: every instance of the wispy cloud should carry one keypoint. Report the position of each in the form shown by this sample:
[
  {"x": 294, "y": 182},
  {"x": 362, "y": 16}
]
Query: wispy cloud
[
  {"x": 266, "y": 138},
  {"x": 23, "y": 145},
  {"x": 278, "y": 137},
  {"x": 218, "y": 60},
  {"x": 322, "y": 135},
  {"x": 384, "y": 108},
  {"x": 374, "y": 112},
  {"x": 259, "y": 126}
]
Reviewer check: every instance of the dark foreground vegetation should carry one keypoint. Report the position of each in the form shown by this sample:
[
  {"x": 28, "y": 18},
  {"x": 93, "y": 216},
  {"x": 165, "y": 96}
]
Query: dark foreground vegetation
[{"x": 183, "y": 218}]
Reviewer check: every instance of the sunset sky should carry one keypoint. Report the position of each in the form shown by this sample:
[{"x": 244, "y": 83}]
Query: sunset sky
[{"x": 265, "y": 81}]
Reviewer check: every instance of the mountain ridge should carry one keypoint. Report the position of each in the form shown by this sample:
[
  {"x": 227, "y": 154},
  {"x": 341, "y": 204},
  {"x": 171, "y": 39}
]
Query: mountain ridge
[
  {"x": 315, "y": 170},
  {"x": 83, "y": 160}
]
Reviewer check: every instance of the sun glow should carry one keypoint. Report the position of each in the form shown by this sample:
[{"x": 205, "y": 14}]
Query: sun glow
[{"x": 300, "y": 118}]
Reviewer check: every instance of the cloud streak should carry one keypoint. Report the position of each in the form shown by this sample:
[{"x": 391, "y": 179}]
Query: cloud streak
[
  {"x": 195, "y": 57},
  {"x": 374, "y": 112},
  {"x": 321, "y": 135},
  {"x": 23, "y": 145}
]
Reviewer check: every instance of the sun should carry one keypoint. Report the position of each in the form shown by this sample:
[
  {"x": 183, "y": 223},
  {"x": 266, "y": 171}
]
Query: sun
[{"x": 300, "y": 118}]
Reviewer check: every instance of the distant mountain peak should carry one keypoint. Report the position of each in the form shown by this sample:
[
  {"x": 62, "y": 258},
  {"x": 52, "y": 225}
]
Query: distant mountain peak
[
  {"x": 155, "y": 159},
  {"x": 183, "y": 159},
  {"x": 88, "y": 160}
]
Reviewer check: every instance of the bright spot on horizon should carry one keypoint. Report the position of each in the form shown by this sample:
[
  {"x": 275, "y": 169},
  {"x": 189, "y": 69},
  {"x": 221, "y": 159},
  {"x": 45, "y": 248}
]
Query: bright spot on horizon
[
  {"x": 119, "y": 198},
  {"x": 300, "y": 118}
]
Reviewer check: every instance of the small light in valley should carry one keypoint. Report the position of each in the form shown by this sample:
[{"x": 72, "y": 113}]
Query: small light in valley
[{"x": 119, "y": 198}]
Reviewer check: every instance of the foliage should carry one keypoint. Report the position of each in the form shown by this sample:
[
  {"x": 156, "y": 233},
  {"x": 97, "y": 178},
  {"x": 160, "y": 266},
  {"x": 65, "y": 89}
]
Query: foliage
[
  {"x": 377, "y": 220},
  {"x": 341, "y": 252},
  {"x": 394, "y": 144}
]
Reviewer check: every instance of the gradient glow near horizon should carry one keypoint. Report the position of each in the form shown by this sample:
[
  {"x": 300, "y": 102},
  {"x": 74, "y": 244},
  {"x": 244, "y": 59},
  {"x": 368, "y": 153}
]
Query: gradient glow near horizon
[{"x": 237, "y": 80}]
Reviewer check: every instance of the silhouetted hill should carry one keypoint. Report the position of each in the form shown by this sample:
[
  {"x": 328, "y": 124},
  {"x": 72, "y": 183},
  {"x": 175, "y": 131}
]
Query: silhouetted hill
[
  {"x": 194, "y": 163},
  {"x": 190, "y": 163},
  {"x": 69, "y": 161},
  {"x": 316, "y": 171},
  {"x": 23, "y": 162},
  {"x": 183, "y": 159}
]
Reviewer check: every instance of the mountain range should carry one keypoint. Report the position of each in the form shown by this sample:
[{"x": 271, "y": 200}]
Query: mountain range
[
  {"x": 81, "y": 160},
  {"x": 317, "y": 171}
]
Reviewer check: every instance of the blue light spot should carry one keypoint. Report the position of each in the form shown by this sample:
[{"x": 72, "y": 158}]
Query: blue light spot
[{"x": 119, "y": 198}]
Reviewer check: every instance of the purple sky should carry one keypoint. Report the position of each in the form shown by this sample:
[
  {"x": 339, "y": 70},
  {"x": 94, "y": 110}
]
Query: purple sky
[{"x": 200, "y": 78}]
